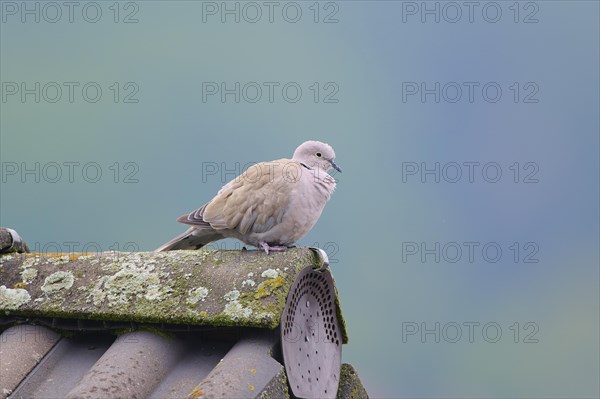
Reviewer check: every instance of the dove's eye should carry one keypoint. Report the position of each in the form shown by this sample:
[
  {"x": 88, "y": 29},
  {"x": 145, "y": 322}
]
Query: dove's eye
[{"x": 319, "y": 154}]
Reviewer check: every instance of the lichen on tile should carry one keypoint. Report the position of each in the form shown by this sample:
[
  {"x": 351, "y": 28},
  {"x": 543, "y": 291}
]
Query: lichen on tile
[
  {"x": 236, "y": 311},
  {"x": 58, "y": 260},
  {"x": 135, "y": 277},
  {"x": 13, "y": 298},
  {"x": 5, "y": 258},
  {"x": 270, "y": 273},
  {"x": 28, "y": 275},
  {"x": 58, "y": 281},
  {"x": 196, "y": 295},
  {"x": 232, "y": 295}
]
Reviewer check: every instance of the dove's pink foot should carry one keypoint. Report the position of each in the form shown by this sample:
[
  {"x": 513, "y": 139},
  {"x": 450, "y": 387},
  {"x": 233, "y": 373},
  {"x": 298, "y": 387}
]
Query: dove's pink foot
[{"x": 276, "y": 248}]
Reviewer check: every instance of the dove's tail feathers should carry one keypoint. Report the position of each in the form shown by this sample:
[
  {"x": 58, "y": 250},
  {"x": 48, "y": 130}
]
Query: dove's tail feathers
[{"x": 192, "y": 238}]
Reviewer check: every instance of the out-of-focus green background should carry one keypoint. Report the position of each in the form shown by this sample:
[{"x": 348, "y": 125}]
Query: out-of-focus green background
[{"x": 427, "y": 316}]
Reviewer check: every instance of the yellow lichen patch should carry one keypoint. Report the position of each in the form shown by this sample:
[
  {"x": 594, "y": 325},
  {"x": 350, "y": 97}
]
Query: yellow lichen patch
[
  {"x": 203, "y": 313},
  {"x": 251, "y": 387},
  {"x": 60, "y": 256},
  {"x": 20, "y": 284},
  {"x": 252, "y": 371},
  {"x": 268, "y": 286},
  {"x": 52, "y": 254},
  {"x": 196, "y": 392}
]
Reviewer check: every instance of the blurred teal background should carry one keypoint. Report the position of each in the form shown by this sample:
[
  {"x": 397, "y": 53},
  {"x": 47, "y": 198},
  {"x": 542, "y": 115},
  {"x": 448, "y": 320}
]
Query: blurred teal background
[{"x": 165, "y": 139}]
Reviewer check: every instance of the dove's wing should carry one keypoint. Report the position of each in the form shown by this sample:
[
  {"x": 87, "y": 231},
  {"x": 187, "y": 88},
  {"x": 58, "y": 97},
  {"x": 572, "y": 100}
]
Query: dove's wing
[
  {"x": 195, "y": 218},
  {"x": 255, "y": 201}
]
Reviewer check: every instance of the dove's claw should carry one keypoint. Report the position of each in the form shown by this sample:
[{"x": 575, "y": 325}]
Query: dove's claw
[
  {"x": 278, "y": 248},
  {"x": 266, "y": 247}
]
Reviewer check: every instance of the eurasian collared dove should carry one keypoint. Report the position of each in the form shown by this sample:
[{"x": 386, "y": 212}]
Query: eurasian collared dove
[{"x": 270, "y": 206}]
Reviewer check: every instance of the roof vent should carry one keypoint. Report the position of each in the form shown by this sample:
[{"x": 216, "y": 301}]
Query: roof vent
[{"x": 311, "y": 336}]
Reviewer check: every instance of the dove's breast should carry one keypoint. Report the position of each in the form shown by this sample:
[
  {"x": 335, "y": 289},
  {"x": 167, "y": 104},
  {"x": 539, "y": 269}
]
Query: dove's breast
[{"x": 309, "y": 196}]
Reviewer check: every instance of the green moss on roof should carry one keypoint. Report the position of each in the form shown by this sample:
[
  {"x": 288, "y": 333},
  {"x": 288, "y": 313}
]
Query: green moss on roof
[
  {"x": 350, "y": 385},
  {"x": 205, "y": 287}
]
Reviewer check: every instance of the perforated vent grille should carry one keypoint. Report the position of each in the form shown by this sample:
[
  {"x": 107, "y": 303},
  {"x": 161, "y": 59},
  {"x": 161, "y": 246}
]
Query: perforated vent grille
[{"x": 311, "y": 337}]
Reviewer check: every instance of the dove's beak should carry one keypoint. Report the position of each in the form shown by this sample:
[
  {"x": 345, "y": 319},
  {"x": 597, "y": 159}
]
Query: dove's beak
[{"x": 334, "y": 166}]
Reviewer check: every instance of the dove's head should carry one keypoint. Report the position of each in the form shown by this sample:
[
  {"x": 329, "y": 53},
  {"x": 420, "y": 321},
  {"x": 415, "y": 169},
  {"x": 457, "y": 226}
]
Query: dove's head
[{"x": 315, "y": 154}]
